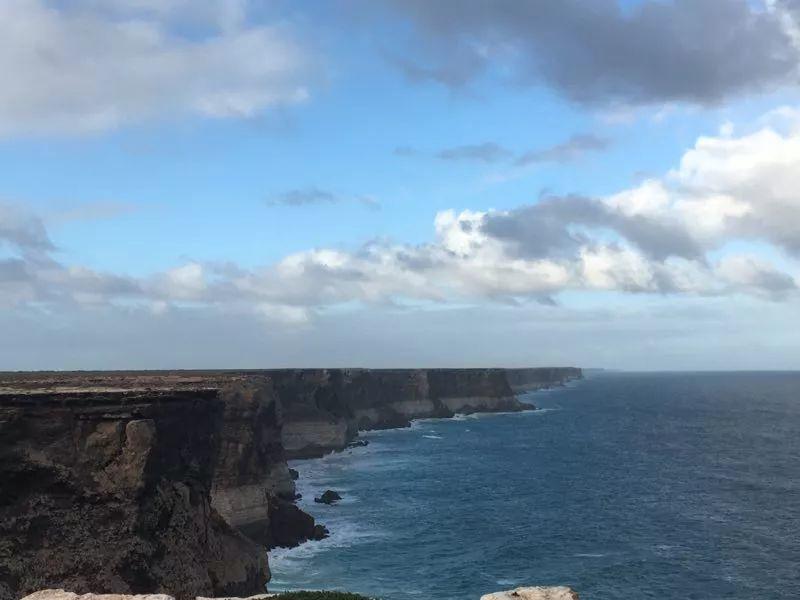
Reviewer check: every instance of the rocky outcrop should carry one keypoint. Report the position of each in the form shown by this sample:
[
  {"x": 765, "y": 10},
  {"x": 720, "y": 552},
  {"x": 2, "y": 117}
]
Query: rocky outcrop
[
  {"x": 534, "y": 593},
  {"x": 291, "y": 526},
  {"x": 108, "y": 491},
  {"x": 328, "y": 497}
]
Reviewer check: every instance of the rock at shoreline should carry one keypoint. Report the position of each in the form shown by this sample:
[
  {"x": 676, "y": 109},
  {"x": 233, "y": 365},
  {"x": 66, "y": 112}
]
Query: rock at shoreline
[
  {"x": 358, "y": 444},
  {"x": 290, "y": 526},
  {"x": 534, "y": 593},
  {"x": 328, "y": 497},
  {"x": 294, "y": 474},
  {"x": 320, "y": 532}
]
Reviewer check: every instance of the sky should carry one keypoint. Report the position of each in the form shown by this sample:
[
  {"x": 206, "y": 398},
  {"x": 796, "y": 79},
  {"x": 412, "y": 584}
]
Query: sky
[{"x": 399, "y": 183}]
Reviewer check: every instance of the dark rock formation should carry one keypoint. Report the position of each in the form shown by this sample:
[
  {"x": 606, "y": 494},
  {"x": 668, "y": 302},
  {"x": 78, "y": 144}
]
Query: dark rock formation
[
  {"x": 328, "y": 497},
  {"x": 358, "y": 444},
  {"x": 109, "y": 492},
  {"x": 291, "y": 526}
]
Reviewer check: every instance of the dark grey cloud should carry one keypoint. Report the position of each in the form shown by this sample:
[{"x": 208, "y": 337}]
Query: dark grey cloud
[
  {"x": 303, "y": 197},
  {"x": 594, "y": 52},
  {"x": 492, "y": 152},
  {"x": 791, "y": 6},
  {"x": 488, "y": 152},
  {"x": 13, "y": 270},
  {"x": 774, "y": 282},
  {"x": 542, "y": 230},
  {"x": 22, "y": 231},
  {"x": 315, "y": 196},
  {"x": 572, "y": 149},
  {"x": 554, "y": 228}
]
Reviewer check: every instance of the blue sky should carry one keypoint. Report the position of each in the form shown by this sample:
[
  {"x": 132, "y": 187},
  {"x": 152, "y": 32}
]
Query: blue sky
[{"x": 175, "y": 213}]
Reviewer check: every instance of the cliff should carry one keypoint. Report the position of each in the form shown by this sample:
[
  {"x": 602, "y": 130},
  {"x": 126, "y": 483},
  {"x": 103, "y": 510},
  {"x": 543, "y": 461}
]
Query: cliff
[
  {"x": 109, "y": 491},
  {"x": 522, "y": 380},
  {"x": 177, "y": 482},
  {"x": 325, "y": 408}
]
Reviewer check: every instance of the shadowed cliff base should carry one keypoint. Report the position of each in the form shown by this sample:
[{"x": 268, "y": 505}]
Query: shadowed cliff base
[{"x": 177, "y": 482}]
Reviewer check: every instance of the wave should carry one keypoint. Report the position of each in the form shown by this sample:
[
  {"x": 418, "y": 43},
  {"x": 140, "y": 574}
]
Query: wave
[
  {"x": 433, "y": 437},
  {"x": 288, "y": 563}
]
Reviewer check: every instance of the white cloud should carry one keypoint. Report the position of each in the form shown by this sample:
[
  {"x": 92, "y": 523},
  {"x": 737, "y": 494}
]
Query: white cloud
[
  {"x": 86, "y": 66},
  {"x": 724, "y": 222}
]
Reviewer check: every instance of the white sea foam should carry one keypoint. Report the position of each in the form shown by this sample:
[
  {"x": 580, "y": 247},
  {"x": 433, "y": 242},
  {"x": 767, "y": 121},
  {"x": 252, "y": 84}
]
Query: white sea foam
[
  {"x": 433, "y": 437},
  {"x": 542, "y": 411},
  {"x": 284, "y": 562}
]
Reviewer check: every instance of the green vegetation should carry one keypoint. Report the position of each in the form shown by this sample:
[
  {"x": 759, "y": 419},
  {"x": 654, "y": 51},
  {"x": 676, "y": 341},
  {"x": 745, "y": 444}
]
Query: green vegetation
[{"x": 320, "y": 596}]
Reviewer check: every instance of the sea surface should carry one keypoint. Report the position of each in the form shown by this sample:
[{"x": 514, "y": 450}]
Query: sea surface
[{"x": 671, "y": 486}]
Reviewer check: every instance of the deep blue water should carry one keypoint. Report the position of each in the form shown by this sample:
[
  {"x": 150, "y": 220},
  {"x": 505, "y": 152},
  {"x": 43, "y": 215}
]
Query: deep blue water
[{"x": 669, "y": 486}]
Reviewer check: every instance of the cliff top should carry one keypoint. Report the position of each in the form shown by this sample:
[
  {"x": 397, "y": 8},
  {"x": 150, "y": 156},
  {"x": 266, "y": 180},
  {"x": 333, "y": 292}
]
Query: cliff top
[{"x": 117, "y": 385}]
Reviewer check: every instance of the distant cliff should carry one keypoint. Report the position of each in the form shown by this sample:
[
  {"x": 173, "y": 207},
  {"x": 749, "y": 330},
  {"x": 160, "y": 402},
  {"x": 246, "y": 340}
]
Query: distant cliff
[
  {"x": 177, "y": 482},
  {"x": 522, "y": 380},
  {"x": 325, "y": 408}
]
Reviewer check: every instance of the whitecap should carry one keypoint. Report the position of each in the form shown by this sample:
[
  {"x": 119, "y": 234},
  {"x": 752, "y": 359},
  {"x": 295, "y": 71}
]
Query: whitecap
[
  {"x": 284, "y": 562},
  {"x": 433, "y": 437}
]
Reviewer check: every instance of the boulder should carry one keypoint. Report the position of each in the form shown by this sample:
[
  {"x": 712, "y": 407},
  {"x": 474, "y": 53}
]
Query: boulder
[
  {"x": 320, "y": 532},
  {"x": 328, "y": 497}
]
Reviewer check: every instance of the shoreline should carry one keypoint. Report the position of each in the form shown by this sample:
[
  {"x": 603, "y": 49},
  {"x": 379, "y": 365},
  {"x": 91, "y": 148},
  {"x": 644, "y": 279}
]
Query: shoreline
[
  {"x": 106, "y": 463},
  {"x": 340, "y": 539}
]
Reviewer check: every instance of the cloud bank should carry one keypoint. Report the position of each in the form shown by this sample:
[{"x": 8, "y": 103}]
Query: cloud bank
[
  {"x": 725, "y": 221},
  {"x": 597, "y": 53},
  {"x": 86, "y": 66}
]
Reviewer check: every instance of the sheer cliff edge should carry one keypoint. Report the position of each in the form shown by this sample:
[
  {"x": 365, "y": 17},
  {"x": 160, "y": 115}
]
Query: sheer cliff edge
[{"x": 177, "y": 482}]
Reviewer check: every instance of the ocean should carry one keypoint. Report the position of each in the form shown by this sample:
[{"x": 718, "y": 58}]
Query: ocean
[{"x": 671, "y": 486}]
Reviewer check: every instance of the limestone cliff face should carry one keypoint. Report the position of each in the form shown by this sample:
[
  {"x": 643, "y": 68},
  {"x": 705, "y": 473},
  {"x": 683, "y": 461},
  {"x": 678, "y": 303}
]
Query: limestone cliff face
[
  {"x": 325, "y": 408},
  {"x": 109, "y": 492},
  {"x": 250, "y": 472},
  {"x": 177, "y": 482},
  {"x": 522, "y": 380},
  {"x": 252, "y": 488},
  {"x": 315, "y": 420}
]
